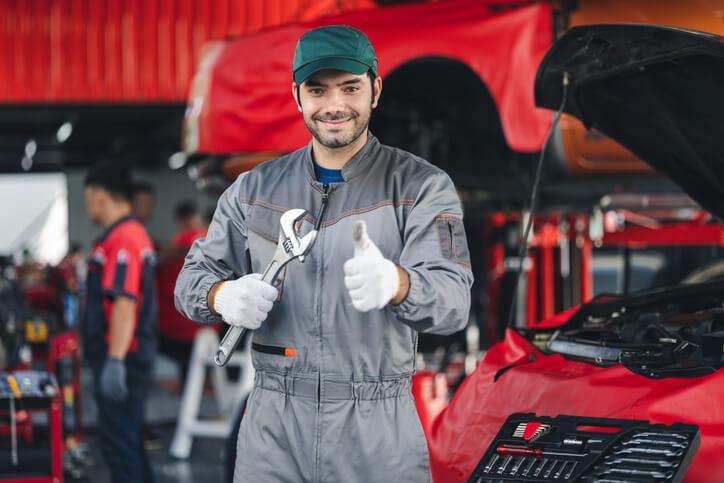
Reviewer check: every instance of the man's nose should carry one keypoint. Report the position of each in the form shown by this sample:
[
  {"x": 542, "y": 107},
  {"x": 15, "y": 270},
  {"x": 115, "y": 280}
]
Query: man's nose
[{"x": 335, "y": 102}]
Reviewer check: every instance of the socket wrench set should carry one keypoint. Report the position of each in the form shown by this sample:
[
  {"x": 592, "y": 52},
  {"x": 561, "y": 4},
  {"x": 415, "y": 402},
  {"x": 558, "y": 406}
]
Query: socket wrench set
[{"x": 600, "y": 450}]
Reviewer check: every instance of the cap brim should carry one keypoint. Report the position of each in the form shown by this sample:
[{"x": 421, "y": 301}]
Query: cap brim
[{"x": 338, "y": 63}]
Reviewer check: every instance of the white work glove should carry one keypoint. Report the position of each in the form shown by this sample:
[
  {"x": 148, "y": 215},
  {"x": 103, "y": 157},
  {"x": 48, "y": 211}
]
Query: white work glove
[
  {"x": 246, "y": 301},
  {"x": 371, "y": 279}
]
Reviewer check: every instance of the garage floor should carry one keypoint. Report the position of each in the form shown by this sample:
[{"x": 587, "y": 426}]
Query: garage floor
[
  {"x": 204, "y": 465},
  {"x": 206, "y": 461}
]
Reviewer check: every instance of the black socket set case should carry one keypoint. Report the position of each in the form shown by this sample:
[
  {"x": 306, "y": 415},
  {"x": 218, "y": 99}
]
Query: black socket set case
[{"x": 573, "y": 448}]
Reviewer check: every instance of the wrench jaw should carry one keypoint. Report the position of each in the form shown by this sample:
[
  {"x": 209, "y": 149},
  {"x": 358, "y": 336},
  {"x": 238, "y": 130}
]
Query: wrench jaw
[
  {"x": 288, "y": 222},
  {"x": 305, "y": 244},
  {"x": 295, "y": 247}
]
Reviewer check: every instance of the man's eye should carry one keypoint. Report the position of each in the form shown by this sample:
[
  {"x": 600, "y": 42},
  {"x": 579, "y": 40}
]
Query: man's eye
[
  {"x": 351, "y": 89},
  {"x": 316, "y": 92}
]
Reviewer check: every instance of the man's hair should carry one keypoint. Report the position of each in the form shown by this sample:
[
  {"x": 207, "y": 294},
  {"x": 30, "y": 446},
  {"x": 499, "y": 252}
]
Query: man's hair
[
  {"x": 143, "y": 187},
  {"x": 184, "y": 210},
  {"x": 111, "y": 177}
]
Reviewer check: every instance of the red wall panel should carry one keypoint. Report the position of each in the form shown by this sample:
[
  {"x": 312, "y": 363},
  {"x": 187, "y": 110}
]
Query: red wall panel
[{"x": 127, "y": 50}]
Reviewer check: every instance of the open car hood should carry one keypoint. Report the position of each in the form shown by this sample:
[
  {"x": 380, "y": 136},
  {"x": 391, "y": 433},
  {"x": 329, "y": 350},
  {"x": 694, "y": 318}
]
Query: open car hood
[
  {"x": 659, "y": 91},
  {"x": 667, "y": 332}
]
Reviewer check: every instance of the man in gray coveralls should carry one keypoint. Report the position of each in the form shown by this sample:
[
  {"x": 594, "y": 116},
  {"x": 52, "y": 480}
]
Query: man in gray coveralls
[{"x": 334, "y": 349}]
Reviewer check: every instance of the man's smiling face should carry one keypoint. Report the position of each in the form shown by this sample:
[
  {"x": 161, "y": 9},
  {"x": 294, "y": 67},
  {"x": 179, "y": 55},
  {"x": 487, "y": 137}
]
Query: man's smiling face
[{"x": 337, "y": 105}]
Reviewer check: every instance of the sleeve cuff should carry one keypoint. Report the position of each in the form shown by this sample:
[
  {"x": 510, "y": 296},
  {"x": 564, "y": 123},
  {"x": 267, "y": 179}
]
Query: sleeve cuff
[
  {"x": 204, "y": 309},
  {"x": 407, "y": 306}
]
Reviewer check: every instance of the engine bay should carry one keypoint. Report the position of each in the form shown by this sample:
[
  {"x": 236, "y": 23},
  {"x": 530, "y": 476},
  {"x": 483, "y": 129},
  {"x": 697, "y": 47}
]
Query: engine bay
[{"x": 674, "y": 332}]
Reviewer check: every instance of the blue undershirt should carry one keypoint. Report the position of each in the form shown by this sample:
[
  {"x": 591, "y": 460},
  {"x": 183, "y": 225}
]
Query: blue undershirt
[{"x": 326, "y": 176}]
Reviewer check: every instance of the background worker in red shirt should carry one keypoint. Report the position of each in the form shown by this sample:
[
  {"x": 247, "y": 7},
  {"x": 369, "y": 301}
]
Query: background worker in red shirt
[
  {"x": 119, "y": 337},
  {"x": 176, "y": 332}
]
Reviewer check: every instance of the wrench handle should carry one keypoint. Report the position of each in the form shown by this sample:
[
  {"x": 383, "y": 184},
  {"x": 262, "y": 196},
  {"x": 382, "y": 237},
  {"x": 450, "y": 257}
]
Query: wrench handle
[
  {"x": 233, "y": 336},
  {"x": 228, "y": 345}
]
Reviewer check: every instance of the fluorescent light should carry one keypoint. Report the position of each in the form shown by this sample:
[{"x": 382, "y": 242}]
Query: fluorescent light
[
  {"x": 31, "y": 147},
  {"x": 177, "y": 160},
  {"x": 64, "y": 132},
  {"x": 26, "y": 163}
]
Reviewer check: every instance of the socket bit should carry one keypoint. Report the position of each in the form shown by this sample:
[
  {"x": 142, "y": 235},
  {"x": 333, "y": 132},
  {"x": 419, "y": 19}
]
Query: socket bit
[
  {"x": 561, "y": 470},
  {"x": 550, "y": 469},
  {"x": 573, "y": 443},
  {"x": 529, "y": 467},
  {"x": 491, "y": 463},
  {"x": 517, "y": 465},
  {"x": 504, "y": 465},
  {"x": 540, "y": 468},
  {"x": 570, "y": 472}
]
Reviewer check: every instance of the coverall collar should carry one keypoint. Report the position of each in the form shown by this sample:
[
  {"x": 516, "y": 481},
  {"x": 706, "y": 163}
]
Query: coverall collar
[{"x": 358, "y": 164}]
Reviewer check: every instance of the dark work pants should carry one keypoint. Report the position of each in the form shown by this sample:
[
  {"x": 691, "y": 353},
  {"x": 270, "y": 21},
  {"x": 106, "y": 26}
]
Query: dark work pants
[{"x": 119, "y": 427}]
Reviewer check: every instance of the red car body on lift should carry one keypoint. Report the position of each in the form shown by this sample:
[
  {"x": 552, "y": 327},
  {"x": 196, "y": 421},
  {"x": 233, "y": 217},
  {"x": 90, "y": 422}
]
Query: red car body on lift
[{"x": 241, "y": 100}]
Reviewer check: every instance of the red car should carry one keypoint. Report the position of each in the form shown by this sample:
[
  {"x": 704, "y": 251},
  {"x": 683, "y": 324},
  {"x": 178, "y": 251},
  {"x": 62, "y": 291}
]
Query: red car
[{"x": 653, "y": 356}]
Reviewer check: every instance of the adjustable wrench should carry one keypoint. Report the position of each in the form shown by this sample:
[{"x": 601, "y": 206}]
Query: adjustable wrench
[
  {"x": 662, "y": 475},
  {"x": 655, "y": 442},
  {"x": 649, "y": 451},
  {"x": 649, "y": 434},
  {"x": 289, "y": 247},
  {"x": 614, "y": 460}
]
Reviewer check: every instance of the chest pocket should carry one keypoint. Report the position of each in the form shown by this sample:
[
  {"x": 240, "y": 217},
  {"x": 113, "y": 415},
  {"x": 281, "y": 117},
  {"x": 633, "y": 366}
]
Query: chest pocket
[
  {"x": 451, "y": 235},
  {"x": 262, "y": 227}
]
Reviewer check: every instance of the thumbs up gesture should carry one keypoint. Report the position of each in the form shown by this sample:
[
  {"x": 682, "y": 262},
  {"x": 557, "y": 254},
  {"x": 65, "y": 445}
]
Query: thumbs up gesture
[{"x": 371, "y": 279}]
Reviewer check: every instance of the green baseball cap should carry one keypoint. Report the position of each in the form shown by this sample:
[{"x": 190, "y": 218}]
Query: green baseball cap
[{"x": 333, "y": 47}]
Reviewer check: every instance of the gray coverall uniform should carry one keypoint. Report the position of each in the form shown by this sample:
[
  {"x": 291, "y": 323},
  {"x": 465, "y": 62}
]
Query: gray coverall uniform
[{"x": 341, "y": 408}]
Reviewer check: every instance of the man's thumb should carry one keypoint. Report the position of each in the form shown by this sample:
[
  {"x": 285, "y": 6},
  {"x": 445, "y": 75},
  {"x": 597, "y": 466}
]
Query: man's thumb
[{"x": 359, "y": 235}]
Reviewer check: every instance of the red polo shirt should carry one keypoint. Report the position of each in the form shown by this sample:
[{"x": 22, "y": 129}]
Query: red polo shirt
[{"x": 122, "y": 264}]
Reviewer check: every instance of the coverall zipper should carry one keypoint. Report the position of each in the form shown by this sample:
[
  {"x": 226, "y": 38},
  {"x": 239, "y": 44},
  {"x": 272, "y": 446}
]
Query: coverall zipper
[
  {"x": 318, "y": 224},
  {"x": 322, "y": 209}
]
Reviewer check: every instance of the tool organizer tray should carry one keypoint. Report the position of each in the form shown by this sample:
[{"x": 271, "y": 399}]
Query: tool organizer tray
[{"x": 601, "y": 450}]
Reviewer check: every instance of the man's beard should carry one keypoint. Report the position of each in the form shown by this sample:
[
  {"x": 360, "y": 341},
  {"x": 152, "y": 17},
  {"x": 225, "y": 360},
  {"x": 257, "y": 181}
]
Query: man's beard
[{"x": 360, "y": 124}]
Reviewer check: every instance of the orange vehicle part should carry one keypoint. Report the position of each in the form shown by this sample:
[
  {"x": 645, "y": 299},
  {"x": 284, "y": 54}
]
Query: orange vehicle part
[{"x": 590, "y": 152}]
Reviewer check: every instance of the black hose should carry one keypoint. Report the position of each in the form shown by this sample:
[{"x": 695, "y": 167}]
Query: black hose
[{"x": 523, "y": 252}]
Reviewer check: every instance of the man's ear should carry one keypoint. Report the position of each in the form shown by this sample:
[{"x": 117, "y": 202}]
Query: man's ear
[
  {"x": 295, "y": 95},
  {"x": 377, "y": 90}
]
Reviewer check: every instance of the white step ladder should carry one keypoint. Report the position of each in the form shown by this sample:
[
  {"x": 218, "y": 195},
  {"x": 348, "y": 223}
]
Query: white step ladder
[{"x": 229, "y": 395}]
